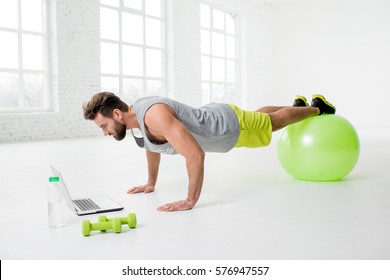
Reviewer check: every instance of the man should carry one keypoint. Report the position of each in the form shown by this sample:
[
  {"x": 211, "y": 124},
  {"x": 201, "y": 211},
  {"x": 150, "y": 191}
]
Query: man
[{"x": 171, "y": 127}]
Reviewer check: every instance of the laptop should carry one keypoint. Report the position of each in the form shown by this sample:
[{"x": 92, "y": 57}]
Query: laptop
[{"x": 87, "y": 205}]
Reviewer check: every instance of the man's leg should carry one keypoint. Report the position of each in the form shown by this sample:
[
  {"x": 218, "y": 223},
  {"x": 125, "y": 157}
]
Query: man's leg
[
  {"x": 288, "y": 115},
  {"x": 270, "y": 109},
  {"x": 283, "y": 116}
]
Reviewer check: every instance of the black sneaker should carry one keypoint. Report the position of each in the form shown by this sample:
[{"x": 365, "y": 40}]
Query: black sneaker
[
  {"x": 300, "y": 101},
  {"x": 320, "y": 102}
]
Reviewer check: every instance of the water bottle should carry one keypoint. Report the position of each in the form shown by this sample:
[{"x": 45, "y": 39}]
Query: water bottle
[{"x": 55, "y": 203}]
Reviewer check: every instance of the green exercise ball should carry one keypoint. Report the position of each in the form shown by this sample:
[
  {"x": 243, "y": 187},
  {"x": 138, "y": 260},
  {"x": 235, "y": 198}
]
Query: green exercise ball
[{"x": 321, "y": 148}]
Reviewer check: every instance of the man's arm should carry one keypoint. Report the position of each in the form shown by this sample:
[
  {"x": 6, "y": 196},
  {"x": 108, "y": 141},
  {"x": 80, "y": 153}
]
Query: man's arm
[
  {"x": 163, "y": 124},
  {"x": 153, "y": 160}
]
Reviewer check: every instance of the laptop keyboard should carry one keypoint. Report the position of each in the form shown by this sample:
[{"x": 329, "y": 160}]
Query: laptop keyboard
[{"x": 86, "y": 204}]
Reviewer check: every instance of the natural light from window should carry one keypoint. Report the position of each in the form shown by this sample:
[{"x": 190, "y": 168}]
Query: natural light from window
[
  {"x": 132, "y": 48},
  {"x": 23, "y": 59},
  {"x": 219, "y": 59}
]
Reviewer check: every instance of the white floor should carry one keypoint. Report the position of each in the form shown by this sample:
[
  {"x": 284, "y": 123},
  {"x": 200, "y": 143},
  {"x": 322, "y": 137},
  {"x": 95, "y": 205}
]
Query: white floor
[{"x": 249, "y": 208}]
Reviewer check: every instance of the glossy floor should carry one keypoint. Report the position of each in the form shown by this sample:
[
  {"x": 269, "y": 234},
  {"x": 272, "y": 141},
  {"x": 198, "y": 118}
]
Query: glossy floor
[{"x": 249, "y": 207}]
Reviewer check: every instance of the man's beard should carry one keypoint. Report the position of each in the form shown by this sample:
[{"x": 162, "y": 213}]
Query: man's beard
[{"x": 120, "y": 131}]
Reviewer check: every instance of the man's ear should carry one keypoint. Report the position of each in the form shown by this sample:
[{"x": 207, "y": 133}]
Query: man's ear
[{"x": 117, "y": 114}]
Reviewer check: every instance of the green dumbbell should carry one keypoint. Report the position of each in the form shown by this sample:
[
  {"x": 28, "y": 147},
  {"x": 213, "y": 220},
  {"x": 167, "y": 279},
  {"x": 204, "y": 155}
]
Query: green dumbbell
[
  {"x": 130, "y": 220},
  {"x": 115, "y": 224}
]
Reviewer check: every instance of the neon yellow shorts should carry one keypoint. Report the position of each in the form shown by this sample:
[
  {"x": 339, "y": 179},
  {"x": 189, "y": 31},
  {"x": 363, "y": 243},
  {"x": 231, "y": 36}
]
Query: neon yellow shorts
[{"x": 255, "y": 128}]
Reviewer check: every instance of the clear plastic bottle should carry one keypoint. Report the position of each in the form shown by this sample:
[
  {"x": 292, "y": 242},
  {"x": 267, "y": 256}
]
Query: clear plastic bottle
[{"x": 55, "y": 203}]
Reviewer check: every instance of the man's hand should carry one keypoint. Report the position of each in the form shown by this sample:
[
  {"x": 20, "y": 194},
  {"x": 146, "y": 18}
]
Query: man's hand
[
  {"x": 145, "y": 189},
  {"x": 176, "y": 206}
]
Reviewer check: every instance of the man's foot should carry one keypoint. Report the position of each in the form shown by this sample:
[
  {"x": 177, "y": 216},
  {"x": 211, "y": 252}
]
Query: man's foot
[
  {"x": 300, "y": 101},
  {"x": 320, "y": 102}
]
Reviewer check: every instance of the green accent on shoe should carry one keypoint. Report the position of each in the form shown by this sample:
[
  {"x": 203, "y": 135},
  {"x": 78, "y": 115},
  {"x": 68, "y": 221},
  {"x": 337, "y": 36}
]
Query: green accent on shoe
[
  {"x": 300, "y": 101},
  {"x": 321, "y": 103}
]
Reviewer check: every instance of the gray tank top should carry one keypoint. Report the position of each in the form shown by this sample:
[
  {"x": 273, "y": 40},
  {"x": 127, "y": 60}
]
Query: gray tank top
[{"x": 214, "y": 126}]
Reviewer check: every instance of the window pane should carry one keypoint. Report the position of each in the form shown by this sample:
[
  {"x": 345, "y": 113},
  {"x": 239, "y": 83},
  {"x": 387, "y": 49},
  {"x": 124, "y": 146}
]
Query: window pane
[
  {"x": 206, "y": 93},
  {"x": 205, "y": 42},
  {"x": 132, "y": 89},
  {"x": 110, "y": 84},
  {"x": 20, "y": 52},
  {"x": 204, "y": 16},
  {"x": 32, "y": 52},
  {"x": 154, "y": 88},
  {"x": 153, "y": 63},
  {"x": 34, "y": 91},
  {"x": 218, "y": 44},
  {"x": 153, "y": 32},
  {"x": 231, "y": 71},
  {"x": 109, "y": 24},
  {"x": 231, "y": 94},
  {"x": 132, "y": 61},
  {"x": 217, "y": 92},
  {"x": 205, "y": 68},
  {"x": 9, "y": 14},
  {"x": 218, "y": 72},
  {"x": 140, "y": 41},
  {"x": 9, "y": 90},
  {"x": 218, "y": 19},
  {"x": 132, "y": 28},
  {"x": 230, "y": 47},
  {"x": 9, "y": 50},
  {"x": 230, "y": 24},
  {"x": 153, "y": 7},
  {"x": 114, "y": 3},
  {"x": 133, "y": 4},
  {"x": 218, "y": 55},
  {"x": 109, "y": 58},
  {"x": 32, "y": 18}
]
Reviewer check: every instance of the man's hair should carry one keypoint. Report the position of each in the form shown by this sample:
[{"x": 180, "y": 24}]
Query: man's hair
[{"x": 104, "y": 103}]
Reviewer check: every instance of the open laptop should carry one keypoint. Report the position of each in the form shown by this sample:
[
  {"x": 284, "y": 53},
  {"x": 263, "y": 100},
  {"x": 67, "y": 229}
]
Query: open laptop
[{"x": 89, "y": 205}]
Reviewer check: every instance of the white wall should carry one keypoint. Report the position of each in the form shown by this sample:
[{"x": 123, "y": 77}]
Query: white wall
[
  {"x": 183, "y": 51},
  {"x": 75, "y": 52},
  {"x": 340, "y": 48}
]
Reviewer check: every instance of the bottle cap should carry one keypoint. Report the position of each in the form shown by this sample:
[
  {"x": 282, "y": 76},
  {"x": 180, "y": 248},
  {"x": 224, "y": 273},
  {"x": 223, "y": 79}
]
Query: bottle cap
[{"x": 54, "y": 179}]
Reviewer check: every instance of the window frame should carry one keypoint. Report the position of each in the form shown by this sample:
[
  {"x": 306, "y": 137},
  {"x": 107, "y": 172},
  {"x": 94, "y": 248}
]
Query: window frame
[
  {"x": 20, "y": 71},
  {"x": 163, "y": 49},
  {"x": 236, "y": 60}
]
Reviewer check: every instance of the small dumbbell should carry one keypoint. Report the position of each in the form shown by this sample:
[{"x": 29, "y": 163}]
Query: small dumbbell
[
  {"x": 115, "y": 224},
  {"x": 130, "y": 220}
]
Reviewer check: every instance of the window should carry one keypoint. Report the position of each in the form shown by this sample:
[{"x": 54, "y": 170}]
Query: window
[
  {"x": 23, "y": 59},
  {"x": 219, "y": 60},
  {"x": 132, "y": 48}
]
